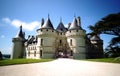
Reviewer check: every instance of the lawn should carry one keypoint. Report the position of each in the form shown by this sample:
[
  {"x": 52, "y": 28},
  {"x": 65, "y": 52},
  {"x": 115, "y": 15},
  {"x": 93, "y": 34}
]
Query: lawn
[
  {"x": 22, "y": 61},
  {"x": 27, "y": 61},
  {"x": 109, "y": 60}
]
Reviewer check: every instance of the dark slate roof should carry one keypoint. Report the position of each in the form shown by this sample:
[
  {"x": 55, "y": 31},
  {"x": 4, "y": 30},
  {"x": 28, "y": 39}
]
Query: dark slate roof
[
  {"x": 31, "y": 40},
  {"x": 48, "y": 24},
  {"x": 95, "y": 38},
  {"x": 20, "y": 33},
  {"x": 61, "y": 28},
  {"x": 74, "y": 25}
]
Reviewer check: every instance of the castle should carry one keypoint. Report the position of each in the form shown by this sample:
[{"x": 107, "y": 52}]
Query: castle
[{"x": 70, "y": 42}]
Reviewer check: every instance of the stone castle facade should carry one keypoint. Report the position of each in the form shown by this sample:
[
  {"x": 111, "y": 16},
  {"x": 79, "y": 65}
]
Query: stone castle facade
[{"x": 70, "y": 42}]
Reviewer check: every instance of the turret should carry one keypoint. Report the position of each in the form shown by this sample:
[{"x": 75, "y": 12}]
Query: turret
[
  {"x": 18, "y": 45},
  {"x": 46, "y": 39},
  {"x": 76, "y": 39},
  {"x": 97, "y": 44}
]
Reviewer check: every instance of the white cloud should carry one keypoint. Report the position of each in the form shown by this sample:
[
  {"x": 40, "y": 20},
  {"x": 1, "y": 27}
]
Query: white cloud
[
  {"x": 7, "y": 20},
  {"x": 17, "y": 23},
  {"x": 2, "y": 36}
]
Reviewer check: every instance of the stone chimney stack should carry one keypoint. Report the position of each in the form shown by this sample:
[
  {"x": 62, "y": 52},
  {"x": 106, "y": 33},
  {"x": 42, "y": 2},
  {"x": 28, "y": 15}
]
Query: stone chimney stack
[
  {"x": 42, "y": 22},
  {"x": 79, "y": 21},
  {"x": 69, "y": 25}
]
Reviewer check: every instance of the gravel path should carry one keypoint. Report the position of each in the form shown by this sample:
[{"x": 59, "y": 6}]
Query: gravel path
[{"x": 62, "y": 67}]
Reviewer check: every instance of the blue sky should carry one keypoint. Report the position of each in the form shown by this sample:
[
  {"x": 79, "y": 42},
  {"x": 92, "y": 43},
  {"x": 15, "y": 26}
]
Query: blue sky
[{"x": 13, "y": 13}]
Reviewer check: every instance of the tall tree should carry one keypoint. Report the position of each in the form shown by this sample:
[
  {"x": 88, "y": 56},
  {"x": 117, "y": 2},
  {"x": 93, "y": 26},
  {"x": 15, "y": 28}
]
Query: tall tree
[{"x": 109, "y": 25}]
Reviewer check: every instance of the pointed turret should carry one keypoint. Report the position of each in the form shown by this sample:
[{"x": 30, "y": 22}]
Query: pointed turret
[
  {"x": 47, "y": 24},
  {"x": 20, "y": 33},
  {"x": 18, "y": 45},
  {"x": 74, "y": 25},
  {"x": 61, "y": 27}
]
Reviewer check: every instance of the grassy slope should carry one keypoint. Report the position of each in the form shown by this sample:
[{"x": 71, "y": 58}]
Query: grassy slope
[{"x": 22, "y": 61}]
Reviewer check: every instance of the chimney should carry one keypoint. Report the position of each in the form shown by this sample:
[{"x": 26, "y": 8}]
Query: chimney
[
  {"x": 28, "y": 36},
  {"x": 69, "y": 25},
  {"x": 42, "y": 22},
  {"x": 79, "y": 21}
]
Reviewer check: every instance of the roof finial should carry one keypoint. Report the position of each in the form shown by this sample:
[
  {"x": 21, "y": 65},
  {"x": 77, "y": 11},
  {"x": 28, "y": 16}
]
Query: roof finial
[
  {"x": 74, "y": 15},
  {"x": 20, "y": 26},
  {"x": 48, "y": 15},
  {"x": 60, "y": 19}
]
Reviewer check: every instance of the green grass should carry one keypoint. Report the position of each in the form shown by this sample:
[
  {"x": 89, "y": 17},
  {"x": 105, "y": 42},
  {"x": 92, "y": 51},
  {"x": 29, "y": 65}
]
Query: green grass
[
  {"x": 109, "y": 60},
  {"x": 22, "y": 61},
  {"x": 27, "y": 61}
]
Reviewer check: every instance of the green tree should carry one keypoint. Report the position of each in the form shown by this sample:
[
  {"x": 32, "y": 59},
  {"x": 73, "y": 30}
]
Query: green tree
[
  {"x": 0, "y": 55},
  {"x": 109, "y": 25}
]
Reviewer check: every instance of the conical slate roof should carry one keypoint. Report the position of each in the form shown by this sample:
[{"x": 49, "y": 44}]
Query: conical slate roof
[
  {"x": 74, "y": 25},
  {"x": 61, "y": 28},
  {"x": 20, "y": 33},
  {"x": 48, "y": 24}
]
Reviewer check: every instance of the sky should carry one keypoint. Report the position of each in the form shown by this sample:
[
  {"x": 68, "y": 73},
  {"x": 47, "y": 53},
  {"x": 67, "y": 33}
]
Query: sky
[{"x": 29, "y": 13}]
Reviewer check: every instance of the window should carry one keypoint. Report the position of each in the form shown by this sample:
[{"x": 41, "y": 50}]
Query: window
[
  {"x": 71, "y": 42},
  {"x": 34, "y": 53},
  {"x": 41, "y": 42},
  {"x": 35, "y": 48},
  {"x": 60, "y": 42},
  {"x": 70, "y": 31},
  {"x": 76, "y": 30},
  {"x": 28, "y": 53},
  {"x": 41, "y": 30},
  {"x": 40, "y": 53}
]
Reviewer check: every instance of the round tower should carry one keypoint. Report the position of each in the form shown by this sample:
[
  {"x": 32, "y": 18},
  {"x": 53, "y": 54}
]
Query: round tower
[
  {"x": 46, "y": 40},
  {"x": 18, "y": 45},
  {"x": 76, "y": 39},
  {"x": 97, "y": 50}
]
